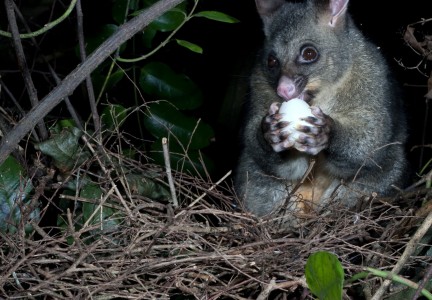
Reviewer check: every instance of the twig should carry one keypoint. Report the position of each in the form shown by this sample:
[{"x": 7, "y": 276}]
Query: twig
[
  {"x": 399, "y": 279},
  {"x": 89, "y": 83},
  {"x": 31, "y": 89},
  {"x": 409, "y": 250},
  {"x": 57, "y": 80},
  {"x": 277, "y": 286},
  {"x": 104, "y": 169},
  {"x": 74, "y": 78},
  {"x": 211, "y": 188},
  {"x": 205, "y": 193},
  {"x": 168, "y": 171},
  {"x": 46, "y": 27},
  {"x": 421, "y": 286}
]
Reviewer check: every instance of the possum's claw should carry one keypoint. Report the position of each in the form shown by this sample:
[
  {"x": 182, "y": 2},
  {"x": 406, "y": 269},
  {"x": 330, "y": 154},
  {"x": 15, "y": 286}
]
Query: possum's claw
[{"x": 311, "y": 136}]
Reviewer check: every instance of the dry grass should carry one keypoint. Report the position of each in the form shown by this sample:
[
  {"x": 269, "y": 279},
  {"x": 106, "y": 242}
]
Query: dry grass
[{"x": 205, "y": 249}]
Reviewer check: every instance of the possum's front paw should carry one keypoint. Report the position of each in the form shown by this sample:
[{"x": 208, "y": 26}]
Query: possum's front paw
[
  {"x": 314, "y": 132},
  {"x": 306, "y": 130}
]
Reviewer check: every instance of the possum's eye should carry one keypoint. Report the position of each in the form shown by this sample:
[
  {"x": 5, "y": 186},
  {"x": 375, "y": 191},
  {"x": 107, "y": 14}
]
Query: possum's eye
[
  {"x": 272, "y": 61},
  {"x": 308, "y": 54}
]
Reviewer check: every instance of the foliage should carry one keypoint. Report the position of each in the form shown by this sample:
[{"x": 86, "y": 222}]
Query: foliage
[
  {"x": 174, "y": 117},
  {"x": 16, "y": 208},
  {"x": 162, "y": 101},
  {"x": 324, "y": 275}
]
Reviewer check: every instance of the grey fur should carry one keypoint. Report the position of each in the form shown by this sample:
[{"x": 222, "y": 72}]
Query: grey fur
[{"x": 360, "y": 121}]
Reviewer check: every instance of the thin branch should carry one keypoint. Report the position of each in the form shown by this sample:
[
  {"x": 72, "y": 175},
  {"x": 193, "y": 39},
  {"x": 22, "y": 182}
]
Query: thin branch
[
  {"x": 168, "y": 171},
  {"x": 31, "y": 89},
  {"x": 89, "y": 83},
  {"x": 46, "y": 27},
  {"x": 57, "y": 80},
  {"x": 409, "y": 250},
  {"x": 69, "y": 84}
]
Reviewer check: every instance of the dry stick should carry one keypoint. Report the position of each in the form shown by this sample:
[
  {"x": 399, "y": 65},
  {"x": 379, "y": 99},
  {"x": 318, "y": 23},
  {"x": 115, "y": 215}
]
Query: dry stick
[
  {"x": 31, "y": 90},
  {"x": 421, "y": 286},
  {"x": 279, "y": 286},
  {"x": 205, "y": 193},
  {"x": 107, "y": 173},
  {"x": 210, "y": 189},
  {"x": 72, "y": 268},
  {"x": 89, "y": 83},
  {"x": 409, "y": 250},
  {"x": 68, "y": 85},
  {"x": 68, "y": 103},
  {"x": 168, "y": 171},
  {"x": 57, "y": 80}
]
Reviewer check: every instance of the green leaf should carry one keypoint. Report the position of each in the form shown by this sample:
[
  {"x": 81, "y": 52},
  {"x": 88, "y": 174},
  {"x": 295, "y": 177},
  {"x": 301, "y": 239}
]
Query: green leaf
[
  {"x": 66, "y": 123},
  {"x": 165, "y": 23},
  {"x": 159, "y": 80},
  {"x": 217, "y": 16},
  {"x": 64, "y": 148},
  {"x": 164, "y": 120},
  {"x": 192, "y": 47},
  {"x": 113, "y": 115},
  {"x": 169, "y": 20},
  {"x": 15, "y": 189},
  {"x": 104, "y": 215},
  {"x": 324, "y": 275},
  {"x": 141, "y": 185}
]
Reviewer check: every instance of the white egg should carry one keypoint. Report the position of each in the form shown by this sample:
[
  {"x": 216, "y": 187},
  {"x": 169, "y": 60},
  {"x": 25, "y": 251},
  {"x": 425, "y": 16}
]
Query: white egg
[{"x": 292, "y": 111}]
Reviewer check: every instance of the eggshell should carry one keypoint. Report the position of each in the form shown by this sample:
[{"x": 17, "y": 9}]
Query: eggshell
[{"x": 294, "y": 109}]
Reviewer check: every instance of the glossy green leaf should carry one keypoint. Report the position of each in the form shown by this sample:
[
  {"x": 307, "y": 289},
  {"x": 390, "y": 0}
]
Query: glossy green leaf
[
  {"x": 164, "y": 120},
  {"x": 191, "y": 46},
  {"x": 113, "y": 115},
  {"x": 64, "y": 148},
  {"x": 169, "y": 20},
  {"x": 159, "y": 80},
  {"x": 15, "y": 189},
  {"x": 324, "y": 275},
  {"x": 217, "y": 16}
]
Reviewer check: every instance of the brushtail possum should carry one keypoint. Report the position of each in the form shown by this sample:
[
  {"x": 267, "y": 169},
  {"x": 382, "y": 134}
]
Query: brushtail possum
[{"x": 355, "y": 130}]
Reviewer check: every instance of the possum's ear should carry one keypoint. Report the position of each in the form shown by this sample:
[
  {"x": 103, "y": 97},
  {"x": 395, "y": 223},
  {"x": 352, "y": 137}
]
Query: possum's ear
[
  {"x": 332, "y": 12},
  {"x": 267, "y": 7}
]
